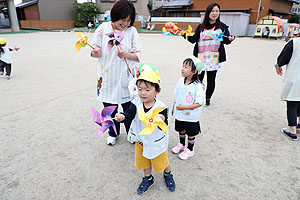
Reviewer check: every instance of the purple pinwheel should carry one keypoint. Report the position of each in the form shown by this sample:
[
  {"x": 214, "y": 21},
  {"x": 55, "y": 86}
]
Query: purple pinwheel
[
  {"x": 104, "y": 119},
  {"x": 16, "y": 48},
  {"x": 115, "y": 40}
]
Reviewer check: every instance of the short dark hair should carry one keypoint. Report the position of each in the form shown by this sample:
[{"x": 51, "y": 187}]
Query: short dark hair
[
  {"x": 121, "y": 10},
  {"x": 157, "y": 88},
  {"x": 205, "y": 21}
]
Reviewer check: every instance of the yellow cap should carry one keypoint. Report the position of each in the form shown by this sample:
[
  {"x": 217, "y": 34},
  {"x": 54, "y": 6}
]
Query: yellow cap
[
  {"x": 2, "y": 41},
  {"x": 150, "y": 76}
]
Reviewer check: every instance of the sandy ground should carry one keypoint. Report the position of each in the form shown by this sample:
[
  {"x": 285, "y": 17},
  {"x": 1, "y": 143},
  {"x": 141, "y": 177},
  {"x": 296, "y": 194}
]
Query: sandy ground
[{"x": 49, "y": 147}]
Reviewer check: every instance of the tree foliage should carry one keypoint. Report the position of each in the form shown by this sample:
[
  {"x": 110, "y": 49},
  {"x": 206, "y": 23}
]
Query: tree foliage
[
  {"x": 294, "y": 19},
  {"x": 86, "y": 11}
]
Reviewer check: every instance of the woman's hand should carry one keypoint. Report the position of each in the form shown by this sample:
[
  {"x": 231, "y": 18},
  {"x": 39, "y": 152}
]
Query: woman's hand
[
  {"x": 119, "y": 117},
  {"x": 180, "y": 107},
  {"x": 278, "y": 70},
  {"x": 121, "y": 53},
  {"x": 96, "y": 53}
]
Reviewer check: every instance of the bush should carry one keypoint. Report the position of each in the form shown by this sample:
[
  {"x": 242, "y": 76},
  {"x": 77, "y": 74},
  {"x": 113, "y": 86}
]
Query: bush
[
  {"x": 86, "y": 11},
  {"x": 78, "y": 24}
]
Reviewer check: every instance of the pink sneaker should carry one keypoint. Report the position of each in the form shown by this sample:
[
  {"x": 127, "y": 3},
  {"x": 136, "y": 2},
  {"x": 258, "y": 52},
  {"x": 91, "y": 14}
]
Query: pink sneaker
[
  {"x": 186, "y": 154},
  {"x": 177, "y": 148}
]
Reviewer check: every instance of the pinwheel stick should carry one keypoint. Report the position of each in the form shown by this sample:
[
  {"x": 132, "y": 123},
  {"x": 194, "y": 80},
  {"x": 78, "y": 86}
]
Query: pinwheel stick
[
  {"x": 126, "y": 63},
  {"x": 90, "y": 46}
]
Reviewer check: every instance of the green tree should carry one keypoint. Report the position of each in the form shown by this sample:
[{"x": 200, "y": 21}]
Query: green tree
[
  {"x": 294, "y": 19},
  {"x": 85, "y": 12}
]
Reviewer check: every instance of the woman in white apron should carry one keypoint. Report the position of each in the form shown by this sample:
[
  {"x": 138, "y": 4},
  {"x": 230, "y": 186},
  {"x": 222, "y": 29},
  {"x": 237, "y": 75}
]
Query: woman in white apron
[{"x": 118, "y": 49}]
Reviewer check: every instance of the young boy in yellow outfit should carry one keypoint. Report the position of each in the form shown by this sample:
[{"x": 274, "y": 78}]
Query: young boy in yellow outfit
[{"x": 151, "y": 148}]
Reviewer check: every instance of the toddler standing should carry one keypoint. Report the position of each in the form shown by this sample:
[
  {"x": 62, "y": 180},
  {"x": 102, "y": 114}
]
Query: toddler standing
[
  {"x": 151, "y": 149},
  {"x": 5, "y": 59},
  {"x": 189, "y": 97}
]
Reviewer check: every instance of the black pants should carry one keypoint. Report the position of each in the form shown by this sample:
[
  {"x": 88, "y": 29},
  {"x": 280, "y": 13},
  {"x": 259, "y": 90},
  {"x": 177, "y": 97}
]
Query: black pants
[
  {"x": 293, "y": 111},
  {"x": 211, "y": 83},
  {"x": 6, "y": 66},
  {"x": 125, "y": 106}
]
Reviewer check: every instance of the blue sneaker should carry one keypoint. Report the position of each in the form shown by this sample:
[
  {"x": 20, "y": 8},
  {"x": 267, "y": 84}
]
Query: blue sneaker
[
  {"x": 145, "y": 185},
  {"x": 288, "y": 133},
  {"x": 170, "y": 183}
]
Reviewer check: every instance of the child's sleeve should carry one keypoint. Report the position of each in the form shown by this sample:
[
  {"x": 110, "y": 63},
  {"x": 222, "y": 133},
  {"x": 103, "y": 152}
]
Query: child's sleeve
[
  {"x": 136, "y": 44},
  {"x": 97, "y": 38},
  {"x": 165, "y": 114},
  {"x": 129, "y": 113},
  {"x": 200, "y": 95}
]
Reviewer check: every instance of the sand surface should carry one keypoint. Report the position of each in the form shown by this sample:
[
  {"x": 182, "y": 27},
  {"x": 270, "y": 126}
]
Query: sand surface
[{"x": 48, "y": 143}]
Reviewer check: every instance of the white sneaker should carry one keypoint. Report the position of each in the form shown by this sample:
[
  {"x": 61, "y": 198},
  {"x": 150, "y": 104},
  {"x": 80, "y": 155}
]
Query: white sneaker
[{"x": 111, "y": 140}]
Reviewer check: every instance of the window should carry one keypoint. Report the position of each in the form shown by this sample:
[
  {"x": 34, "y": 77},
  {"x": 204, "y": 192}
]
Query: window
[
  {"x": 176, "y": 14},
  {"x": 194, "y": 14}
]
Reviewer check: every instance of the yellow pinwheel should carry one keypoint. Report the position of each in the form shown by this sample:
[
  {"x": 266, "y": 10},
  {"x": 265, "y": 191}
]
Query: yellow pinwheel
[
  {"x": 152, "y": 121},
  {"x": 82, "y": 41},
  {"x": 188, "y": 32}
]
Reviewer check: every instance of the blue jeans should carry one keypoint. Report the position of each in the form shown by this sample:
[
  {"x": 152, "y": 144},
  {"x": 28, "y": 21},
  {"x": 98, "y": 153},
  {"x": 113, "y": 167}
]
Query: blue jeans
[{"x": 125, "y": 106}]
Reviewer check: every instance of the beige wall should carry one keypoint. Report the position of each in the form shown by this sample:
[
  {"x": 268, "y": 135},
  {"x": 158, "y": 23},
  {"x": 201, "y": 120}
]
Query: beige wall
[{"x": 56, "y": 9}]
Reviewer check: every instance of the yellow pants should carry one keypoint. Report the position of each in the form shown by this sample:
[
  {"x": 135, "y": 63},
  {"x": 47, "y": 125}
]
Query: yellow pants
[{"x": 159, "y": 163}]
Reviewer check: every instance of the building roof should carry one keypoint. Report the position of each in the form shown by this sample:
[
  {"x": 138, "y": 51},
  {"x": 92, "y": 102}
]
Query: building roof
[
  {"x": 295, "y": 1},
  {"x": 26, "y": 4},
  {"x": 178, "y": 4},
  {"x": 280, "y": 11}
]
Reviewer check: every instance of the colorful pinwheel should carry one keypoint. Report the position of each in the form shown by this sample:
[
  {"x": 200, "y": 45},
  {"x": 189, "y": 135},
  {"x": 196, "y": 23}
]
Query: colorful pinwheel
[
  {"x": 115, "y": 40},
  {"x": 104, "y": 119},
  {"x": 82, "y": 41},
  {"x": 188, "y": 32},
  {"x": 152, "y": 121}
]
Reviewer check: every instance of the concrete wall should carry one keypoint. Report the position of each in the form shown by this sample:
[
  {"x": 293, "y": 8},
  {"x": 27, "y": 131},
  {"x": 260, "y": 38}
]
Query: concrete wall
[{"x": 56, "y": 9}]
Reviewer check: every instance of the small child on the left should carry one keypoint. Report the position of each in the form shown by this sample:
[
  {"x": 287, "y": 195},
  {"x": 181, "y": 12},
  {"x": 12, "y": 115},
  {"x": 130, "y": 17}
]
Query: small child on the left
[{"x": 5, "y": 59}]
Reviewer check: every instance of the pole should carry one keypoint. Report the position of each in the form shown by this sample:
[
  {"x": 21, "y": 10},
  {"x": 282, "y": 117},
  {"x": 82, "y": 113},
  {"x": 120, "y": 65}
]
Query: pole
[
  {"x": 258, "y": 11},
  {"x": 14, "y": 24}
]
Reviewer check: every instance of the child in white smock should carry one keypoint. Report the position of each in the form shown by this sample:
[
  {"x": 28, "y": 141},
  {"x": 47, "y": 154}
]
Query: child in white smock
[
  {"x": 189, "y": 98},
  {"x": 151, "y": 148}
]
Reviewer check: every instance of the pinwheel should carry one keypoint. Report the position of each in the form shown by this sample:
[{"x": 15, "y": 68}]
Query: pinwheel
[
  {"x": 115, "y": 40},
  {"x": 188, "y": 32},
  {"x": 220, "y": 36},
  {"x": 16, "y": 48},
  {"x": 152, "y": 121},
  {"x": 104, "y": 119},
  {"x": 82, "y": 41}
]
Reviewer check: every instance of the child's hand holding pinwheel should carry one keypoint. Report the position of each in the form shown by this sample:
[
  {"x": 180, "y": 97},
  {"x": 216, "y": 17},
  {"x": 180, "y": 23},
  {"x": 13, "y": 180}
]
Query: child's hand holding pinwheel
[{"x": 104, "y": 119}]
